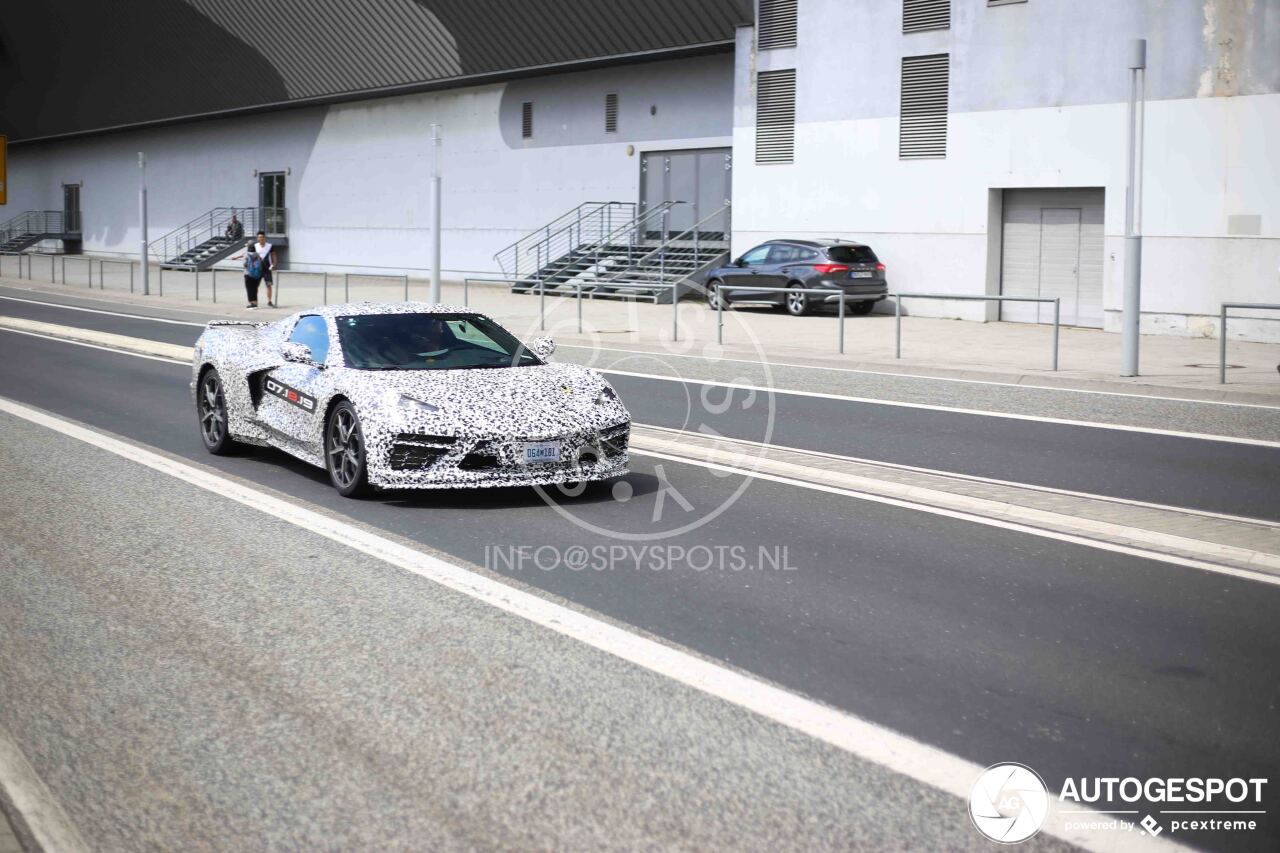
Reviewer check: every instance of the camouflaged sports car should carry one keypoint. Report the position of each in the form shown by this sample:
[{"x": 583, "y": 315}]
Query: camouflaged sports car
[{"x": 407, "y": 395}]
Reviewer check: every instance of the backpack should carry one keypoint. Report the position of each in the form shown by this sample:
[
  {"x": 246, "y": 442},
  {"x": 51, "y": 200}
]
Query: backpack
[{"x": 255, "y": 265}]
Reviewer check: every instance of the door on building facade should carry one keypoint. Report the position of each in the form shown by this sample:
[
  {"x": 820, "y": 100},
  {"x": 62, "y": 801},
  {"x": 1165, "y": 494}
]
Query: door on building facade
[
  {"x": 71, "y": 208},
  {"x": 1052, "y": 246},
  {"x": 703, "y": 178},
  {"x": 271, "y": 202}
]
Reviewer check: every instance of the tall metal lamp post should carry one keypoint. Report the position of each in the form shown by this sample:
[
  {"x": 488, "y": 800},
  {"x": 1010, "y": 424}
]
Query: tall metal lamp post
[
  {"x": 1133, "y": 213},
  {"x": 435, "y": 213},
  {"x": 142, "y": 222}
]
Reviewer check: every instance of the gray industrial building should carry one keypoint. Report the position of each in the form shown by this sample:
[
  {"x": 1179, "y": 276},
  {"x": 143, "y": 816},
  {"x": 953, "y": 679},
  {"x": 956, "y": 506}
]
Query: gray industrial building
[{"x": 978, "y": 145}]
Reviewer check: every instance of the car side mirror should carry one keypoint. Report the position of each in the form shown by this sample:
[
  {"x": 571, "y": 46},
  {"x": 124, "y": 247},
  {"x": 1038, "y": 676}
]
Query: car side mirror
[
  {"x": 740, "y": 263},
  {"x": 542, "y": 347},
  {"x": 296, "y": 352}
]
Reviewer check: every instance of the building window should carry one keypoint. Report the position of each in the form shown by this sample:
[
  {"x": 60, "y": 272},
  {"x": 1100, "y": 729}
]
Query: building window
[
  {"x": 526, "y": 119},
  {"x": 611, "y": 112},
  {"x": 776, "y": 25},
  {"x": 776, "y": 116},
  {"x": 922, "y": 132},
  {"x": 921, "y": 15}
]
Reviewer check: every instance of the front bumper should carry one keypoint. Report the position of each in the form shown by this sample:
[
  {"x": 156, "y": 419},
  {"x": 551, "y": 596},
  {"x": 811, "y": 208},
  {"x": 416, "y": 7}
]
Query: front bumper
[{"x": 415, "y": 461}]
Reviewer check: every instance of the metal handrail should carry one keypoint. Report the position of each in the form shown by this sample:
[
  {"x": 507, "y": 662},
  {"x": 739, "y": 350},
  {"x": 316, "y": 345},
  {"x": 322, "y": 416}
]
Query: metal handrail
[
  {"x": 897, "y": 310},
  {"x": 211, "y": 225},
  {"x": 514, "y": 252},
  {"x": 554, "y": 247},
  {"x": 32, "y": 222},
  {"x": 670, "y": 241},
  {"x": 1222, "y": 330},
  {"x": 612, "y": 237},
  {"x": 816, "y": 291}
]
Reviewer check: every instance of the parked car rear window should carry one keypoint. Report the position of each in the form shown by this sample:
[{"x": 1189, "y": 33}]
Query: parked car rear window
[{"x": 851, "y": 254}]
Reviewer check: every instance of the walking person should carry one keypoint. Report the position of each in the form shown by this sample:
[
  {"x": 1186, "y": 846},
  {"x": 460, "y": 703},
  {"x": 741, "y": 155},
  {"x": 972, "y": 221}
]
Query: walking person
[
  {"x": 253, "y": 269},
  {"x": 267, "y": 255}
]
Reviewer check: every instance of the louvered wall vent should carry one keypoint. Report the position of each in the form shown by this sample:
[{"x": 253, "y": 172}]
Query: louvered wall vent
[
  {"x": 923, "y": 128},
  {"x": 777, "y": 24},
  {"x": 526, "y": 119},
  {"x": 919, "y": 15},
  {"x": 776, "y": 116},
  {"x": 611, "y": 112}
]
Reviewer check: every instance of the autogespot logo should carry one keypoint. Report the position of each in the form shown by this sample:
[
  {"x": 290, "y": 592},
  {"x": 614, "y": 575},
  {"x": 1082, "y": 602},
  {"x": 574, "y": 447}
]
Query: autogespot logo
[{"x": 1008, "y": 803}]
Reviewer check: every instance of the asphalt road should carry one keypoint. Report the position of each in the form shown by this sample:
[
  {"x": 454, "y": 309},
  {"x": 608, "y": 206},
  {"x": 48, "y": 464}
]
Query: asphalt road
[
  {"x": 990, "y": 644},
  {"x": 1237, "y": 479}
]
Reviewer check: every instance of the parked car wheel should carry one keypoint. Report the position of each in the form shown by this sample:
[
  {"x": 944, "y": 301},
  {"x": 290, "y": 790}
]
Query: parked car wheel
[
  {"x": 713, "y": 295},
  {"x": 862, "y": 309},
  {"x": 211, "y": 409},
  {"x": 797, "y": 303},
  {"x": 344, "y": 452}
]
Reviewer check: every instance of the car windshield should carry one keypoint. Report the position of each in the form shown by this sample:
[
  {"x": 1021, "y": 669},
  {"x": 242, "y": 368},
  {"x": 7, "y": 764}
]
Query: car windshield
[
  {"x": 428, "y": 342},
  {"x": 851, "y": 254}
]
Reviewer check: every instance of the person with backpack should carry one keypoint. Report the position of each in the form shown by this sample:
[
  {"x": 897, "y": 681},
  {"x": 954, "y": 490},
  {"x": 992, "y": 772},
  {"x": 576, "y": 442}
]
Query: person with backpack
[
  {"x": 253, "y": 270},
  {"x": 267, "y": 256}
]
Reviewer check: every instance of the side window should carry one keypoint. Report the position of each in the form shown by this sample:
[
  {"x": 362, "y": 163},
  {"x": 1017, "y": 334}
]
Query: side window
[
  {"x": 783, "y": 254},
  {"x": 756, "y": 256},
  {"x": 312, "y": 331}
]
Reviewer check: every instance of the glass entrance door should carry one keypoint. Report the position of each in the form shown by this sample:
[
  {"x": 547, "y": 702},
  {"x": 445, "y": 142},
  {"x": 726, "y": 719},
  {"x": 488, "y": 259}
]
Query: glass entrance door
[
  {"x": 271, "y": 202},
  {"x": 71, "y": 208}
]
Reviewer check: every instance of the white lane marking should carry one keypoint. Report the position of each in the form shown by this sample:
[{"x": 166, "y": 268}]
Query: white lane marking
[
  {"x": 1257, "y": 442},
  {"x": 115, "y": 350},
  {"x": 867, "y": 740},
  {"x": 961, "y": 515},
  {"x": 923, "y": 378},
  {"x": 108, "y": 313},
  {"x": 39, "y": 812},
  {"x": 973, "y": 478}
]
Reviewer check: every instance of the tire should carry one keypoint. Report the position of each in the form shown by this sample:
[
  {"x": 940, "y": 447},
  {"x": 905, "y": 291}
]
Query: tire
[
  {"x": 344, "y": 452},
  {"x": 797, "y": 304},
  {"x": 211, "y": 415},
  {"x": 862, "y": 309},
  {"x": 713, "y": 295}
]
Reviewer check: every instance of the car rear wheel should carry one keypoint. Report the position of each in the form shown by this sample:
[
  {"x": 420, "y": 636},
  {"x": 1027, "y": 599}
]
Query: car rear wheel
[
  {"x": 797, "y": 303},
  {"x": 344, "y": 452},
  {"x": 863, "y": 308},
  {"x": 211, "y": 409},
  {"x": 713, "y": 295}
]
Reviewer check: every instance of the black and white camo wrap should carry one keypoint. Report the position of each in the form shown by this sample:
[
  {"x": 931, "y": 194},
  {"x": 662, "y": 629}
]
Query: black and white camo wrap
[{"x": 471, "y": 432}]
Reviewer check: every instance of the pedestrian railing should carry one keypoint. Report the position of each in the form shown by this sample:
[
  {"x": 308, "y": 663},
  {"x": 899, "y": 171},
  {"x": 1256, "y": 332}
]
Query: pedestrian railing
[
  {"x": 897, "y": 311},
  {"x": 829, "y": 294},
  {"x": 348, "y": 276},
  {"x": 1222, "y": 330}
]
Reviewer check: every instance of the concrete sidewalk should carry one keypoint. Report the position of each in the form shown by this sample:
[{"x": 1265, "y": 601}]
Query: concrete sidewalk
[{"x": 1013, "y": 353}]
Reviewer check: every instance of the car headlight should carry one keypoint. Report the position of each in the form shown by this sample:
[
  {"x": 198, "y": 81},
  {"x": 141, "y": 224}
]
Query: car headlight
[
  {"x": 607, "y": 395},
  {"x": 411, "y": 404}
]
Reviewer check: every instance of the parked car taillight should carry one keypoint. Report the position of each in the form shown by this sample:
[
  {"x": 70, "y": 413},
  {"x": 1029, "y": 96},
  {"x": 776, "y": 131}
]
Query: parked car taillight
[
  {"x": 827, "y": 269},
  {"x": 879, "y": 267}
]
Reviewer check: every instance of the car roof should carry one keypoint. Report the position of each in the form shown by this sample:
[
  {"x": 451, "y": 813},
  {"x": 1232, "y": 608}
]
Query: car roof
[
  {"x": 349, "y": 309},
  {"x": 819, "y": 244}
]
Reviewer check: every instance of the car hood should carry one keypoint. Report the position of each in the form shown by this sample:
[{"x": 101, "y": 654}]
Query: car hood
[{"x": 535, "y": 401}]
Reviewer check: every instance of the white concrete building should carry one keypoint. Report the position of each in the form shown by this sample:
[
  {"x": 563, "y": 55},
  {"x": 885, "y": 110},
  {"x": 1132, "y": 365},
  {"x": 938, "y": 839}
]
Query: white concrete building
[{"x": 1010, "y": 178}]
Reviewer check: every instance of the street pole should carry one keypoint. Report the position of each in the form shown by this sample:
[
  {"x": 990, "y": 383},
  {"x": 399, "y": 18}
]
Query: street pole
[
  {"x": 435, "y": 213},
  {"x": 1132, "y": 213},
  {"x": 142, "y": 222}
]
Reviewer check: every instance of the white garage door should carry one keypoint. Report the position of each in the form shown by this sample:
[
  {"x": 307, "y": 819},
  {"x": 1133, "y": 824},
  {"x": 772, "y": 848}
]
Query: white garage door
[{"x": 1052, "y": 246}]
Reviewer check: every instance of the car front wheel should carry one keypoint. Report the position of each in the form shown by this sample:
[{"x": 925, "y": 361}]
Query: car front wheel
[
  {"x": 797, "y": 302},
  {"x": 344, "y": 452},
  {"x": 211, "y": 409},
  {"x": 713, "y": 295}
]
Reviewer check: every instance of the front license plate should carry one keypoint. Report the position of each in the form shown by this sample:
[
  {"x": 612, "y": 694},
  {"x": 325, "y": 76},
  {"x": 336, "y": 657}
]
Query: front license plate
[
  {"x": 540, "y": 451},
  {"x": 859, "y": 274}
]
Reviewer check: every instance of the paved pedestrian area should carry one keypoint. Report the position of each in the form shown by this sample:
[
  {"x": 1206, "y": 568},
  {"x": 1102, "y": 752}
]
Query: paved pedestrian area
[{"x": 1013, "y": 353}]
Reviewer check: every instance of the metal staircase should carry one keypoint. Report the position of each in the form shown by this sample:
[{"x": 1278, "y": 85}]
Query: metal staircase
[
  {"x": 209, "y": 238},
  {"x": 31, "y": 227},
  {"x": 637, "y": 259}
]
